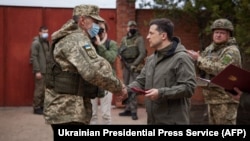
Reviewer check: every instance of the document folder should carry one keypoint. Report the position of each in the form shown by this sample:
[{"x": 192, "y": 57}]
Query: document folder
[
  {"x": 138, "y": 90},
  {"x": 233, "y": 76}
]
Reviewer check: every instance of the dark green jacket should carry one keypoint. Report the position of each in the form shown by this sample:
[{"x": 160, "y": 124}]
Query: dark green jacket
[
  {"x": 172, "y": 72},
  {"x": 109, "y": 52},
  {"x": 39, "y": 52}
]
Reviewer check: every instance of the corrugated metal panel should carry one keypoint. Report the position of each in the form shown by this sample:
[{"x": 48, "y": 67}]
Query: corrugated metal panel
[{"x": 19, "y": 26}]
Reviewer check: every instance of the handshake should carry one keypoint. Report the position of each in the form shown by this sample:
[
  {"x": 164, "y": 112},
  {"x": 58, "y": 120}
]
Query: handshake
[{"x": 123, "y": 95}]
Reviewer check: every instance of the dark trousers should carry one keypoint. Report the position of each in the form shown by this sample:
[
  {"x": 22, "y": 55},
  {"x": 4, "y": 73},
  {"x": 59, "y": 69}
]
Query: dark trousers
[{"x": 39, "y": 92}]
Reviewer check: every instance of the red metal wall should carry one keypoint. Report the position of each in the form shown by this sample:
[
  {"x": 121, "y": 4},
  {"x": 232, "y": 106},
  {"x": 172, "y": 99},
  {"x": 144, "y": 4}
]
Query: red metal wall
[
  {"x": 2, "y": 66},
  {"x": 18, "y": 26}
]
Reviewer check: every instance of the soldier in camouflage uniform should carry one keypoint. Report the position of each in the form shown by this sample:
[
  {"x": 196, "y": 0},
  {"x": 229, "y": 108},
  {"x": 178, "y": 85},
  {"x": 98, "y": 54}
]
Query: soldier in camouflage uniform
[
  {"x": 222, "y": 109},
  {"x": 77, "y": 71},
  {"x": 132, "y": 52}
]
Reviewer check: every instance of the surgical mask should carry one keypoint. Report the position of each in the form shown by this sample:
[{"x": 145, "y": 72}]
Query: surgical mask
[
  {"x": 94, "y": 30},
  {"x": 132, "y": 31},
  {"x": 45, "y": 35}
]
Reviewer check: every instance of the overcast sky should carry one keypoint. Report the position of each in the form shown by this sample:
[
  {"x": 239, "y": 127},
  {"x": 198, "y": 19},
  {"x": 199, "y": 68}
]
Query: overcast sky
[{"x": 110, "y": 4}]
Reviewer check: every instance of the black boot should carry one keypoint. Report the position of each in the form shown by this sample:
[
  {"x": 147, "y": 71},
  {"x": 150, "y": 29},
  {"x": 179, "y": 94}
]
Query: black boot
[
  {"x": 38, "y": 111},
  {"x": 134, "y": 116},
  {"x": 125, "y": 113}
]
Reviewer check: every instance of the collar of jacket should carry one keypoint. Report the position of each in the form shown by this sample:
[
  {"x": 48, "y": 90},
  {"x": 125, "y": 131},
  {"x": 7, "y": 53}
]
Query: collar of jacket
[{"x": 170, "y": 49}]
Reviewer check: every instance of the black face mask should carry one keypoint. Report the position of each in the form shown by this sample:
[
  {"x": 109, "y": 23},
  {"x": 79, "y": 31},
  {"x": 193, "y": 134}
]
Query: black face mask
[{"x": 132, "y": 31}]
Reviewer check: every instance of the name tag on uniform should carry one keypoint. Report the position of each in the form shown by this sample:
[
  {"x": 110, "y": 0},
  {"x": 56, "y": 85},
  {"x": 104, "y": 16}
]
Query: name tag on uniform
[{"x": 90, "y": 51}]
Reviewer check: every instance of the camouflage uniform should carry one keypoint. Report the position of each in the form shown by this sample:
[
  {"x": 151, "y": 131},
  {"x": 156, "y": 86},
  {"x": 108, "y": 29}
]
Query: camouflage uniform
[
  {"x": 222, "y": 109},
  {"x": 75, "y": 54},
  {"x": 132, "y": 52}
]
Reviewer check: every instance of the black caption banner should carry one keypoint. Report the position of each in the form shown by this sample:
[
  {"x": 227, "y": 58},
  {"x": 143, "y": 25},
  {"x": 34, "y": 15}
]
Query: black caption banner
[{"x": 195, "y": 131}]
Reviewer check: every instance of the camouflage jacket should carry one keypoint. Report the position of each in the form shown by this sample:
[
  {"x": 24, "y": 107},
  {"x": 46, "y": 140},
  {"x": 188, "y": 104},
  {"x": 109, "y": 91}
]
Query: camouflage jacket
[
  {"x": 109, "y": 51},
  {"x": 75, "y": 53},
  {"x": 213, "y": 60}
]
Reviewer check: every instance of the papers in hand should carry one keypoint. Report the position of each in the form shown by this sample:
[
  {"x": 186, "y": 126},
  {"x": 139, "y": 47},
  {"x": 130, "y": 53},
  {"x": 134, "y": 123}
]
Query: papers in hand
[
  {"x": 138, "y": 90},
  {"x": 233, "y": 76},
  {"x": 202, "y": 82}
]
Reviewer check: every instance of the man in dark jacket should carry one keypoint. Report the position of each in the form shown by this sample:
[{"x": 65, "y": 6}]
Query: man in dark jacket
[
  {"x": 168, "y": 77},
  {"x": 39, "y": 51}
]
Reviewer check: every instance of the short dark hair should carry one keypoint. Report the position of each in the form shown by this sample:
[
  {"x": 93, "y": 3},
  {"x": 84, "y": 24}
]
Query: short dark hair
[
  {"x": 164, "y": 25},
  {"x": 43, "y": 27}
]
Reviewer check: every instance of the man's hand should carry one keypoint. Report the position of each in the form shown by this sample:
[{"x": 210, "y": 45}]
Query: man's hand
[
  {"x": 123, "y": 95},
  {"x": 238, "y": 95},
  {"x": 152, "y": 94},
  {"x": 193, "y": 54},
  {"x": 97, "y": 40}
]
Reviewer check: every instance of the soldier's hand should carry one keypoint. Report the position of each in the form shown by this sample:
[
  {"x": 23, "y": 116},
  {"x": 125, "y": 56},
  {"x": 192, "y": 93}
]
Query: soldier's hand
[
  {"x": 123, "y": 95},
  {"x": 238, "y": 94},
  {"x": 193, "y": 54}
]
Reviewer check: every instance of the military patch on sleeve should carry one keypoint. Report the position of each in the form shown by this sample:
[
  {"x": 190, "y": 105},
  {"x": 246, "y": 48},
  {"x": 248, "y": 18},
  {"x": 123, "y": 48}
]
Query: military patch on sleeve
[
  {"x": 89, "y": 50},
  {"x": 226, "y": 59}
]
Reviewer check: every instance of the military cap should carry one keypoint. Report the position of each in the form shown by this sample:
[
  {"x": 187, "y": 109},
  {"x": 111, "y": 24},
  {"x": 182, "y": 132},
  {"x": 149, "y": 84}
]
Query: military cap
[
  {"x": 132, "y": 23},
  {"x": 87, "y": 10}
]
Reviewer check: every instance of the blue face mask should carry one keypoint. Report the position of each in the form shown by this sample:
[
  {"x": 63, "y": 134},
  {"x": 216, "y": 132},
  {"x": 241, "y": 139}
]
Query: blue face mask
[
  {"x": 94, "y": 30},
  {"x": 45, "y": 35}
]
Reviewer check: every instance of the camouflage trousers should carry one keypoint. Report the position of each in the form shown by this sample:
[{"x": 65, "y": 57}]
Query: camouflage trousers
[
  {"x": 39, "y": 92},
  {"x": 223, "y": 114},
  {"x": 131, "y": 104}
]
